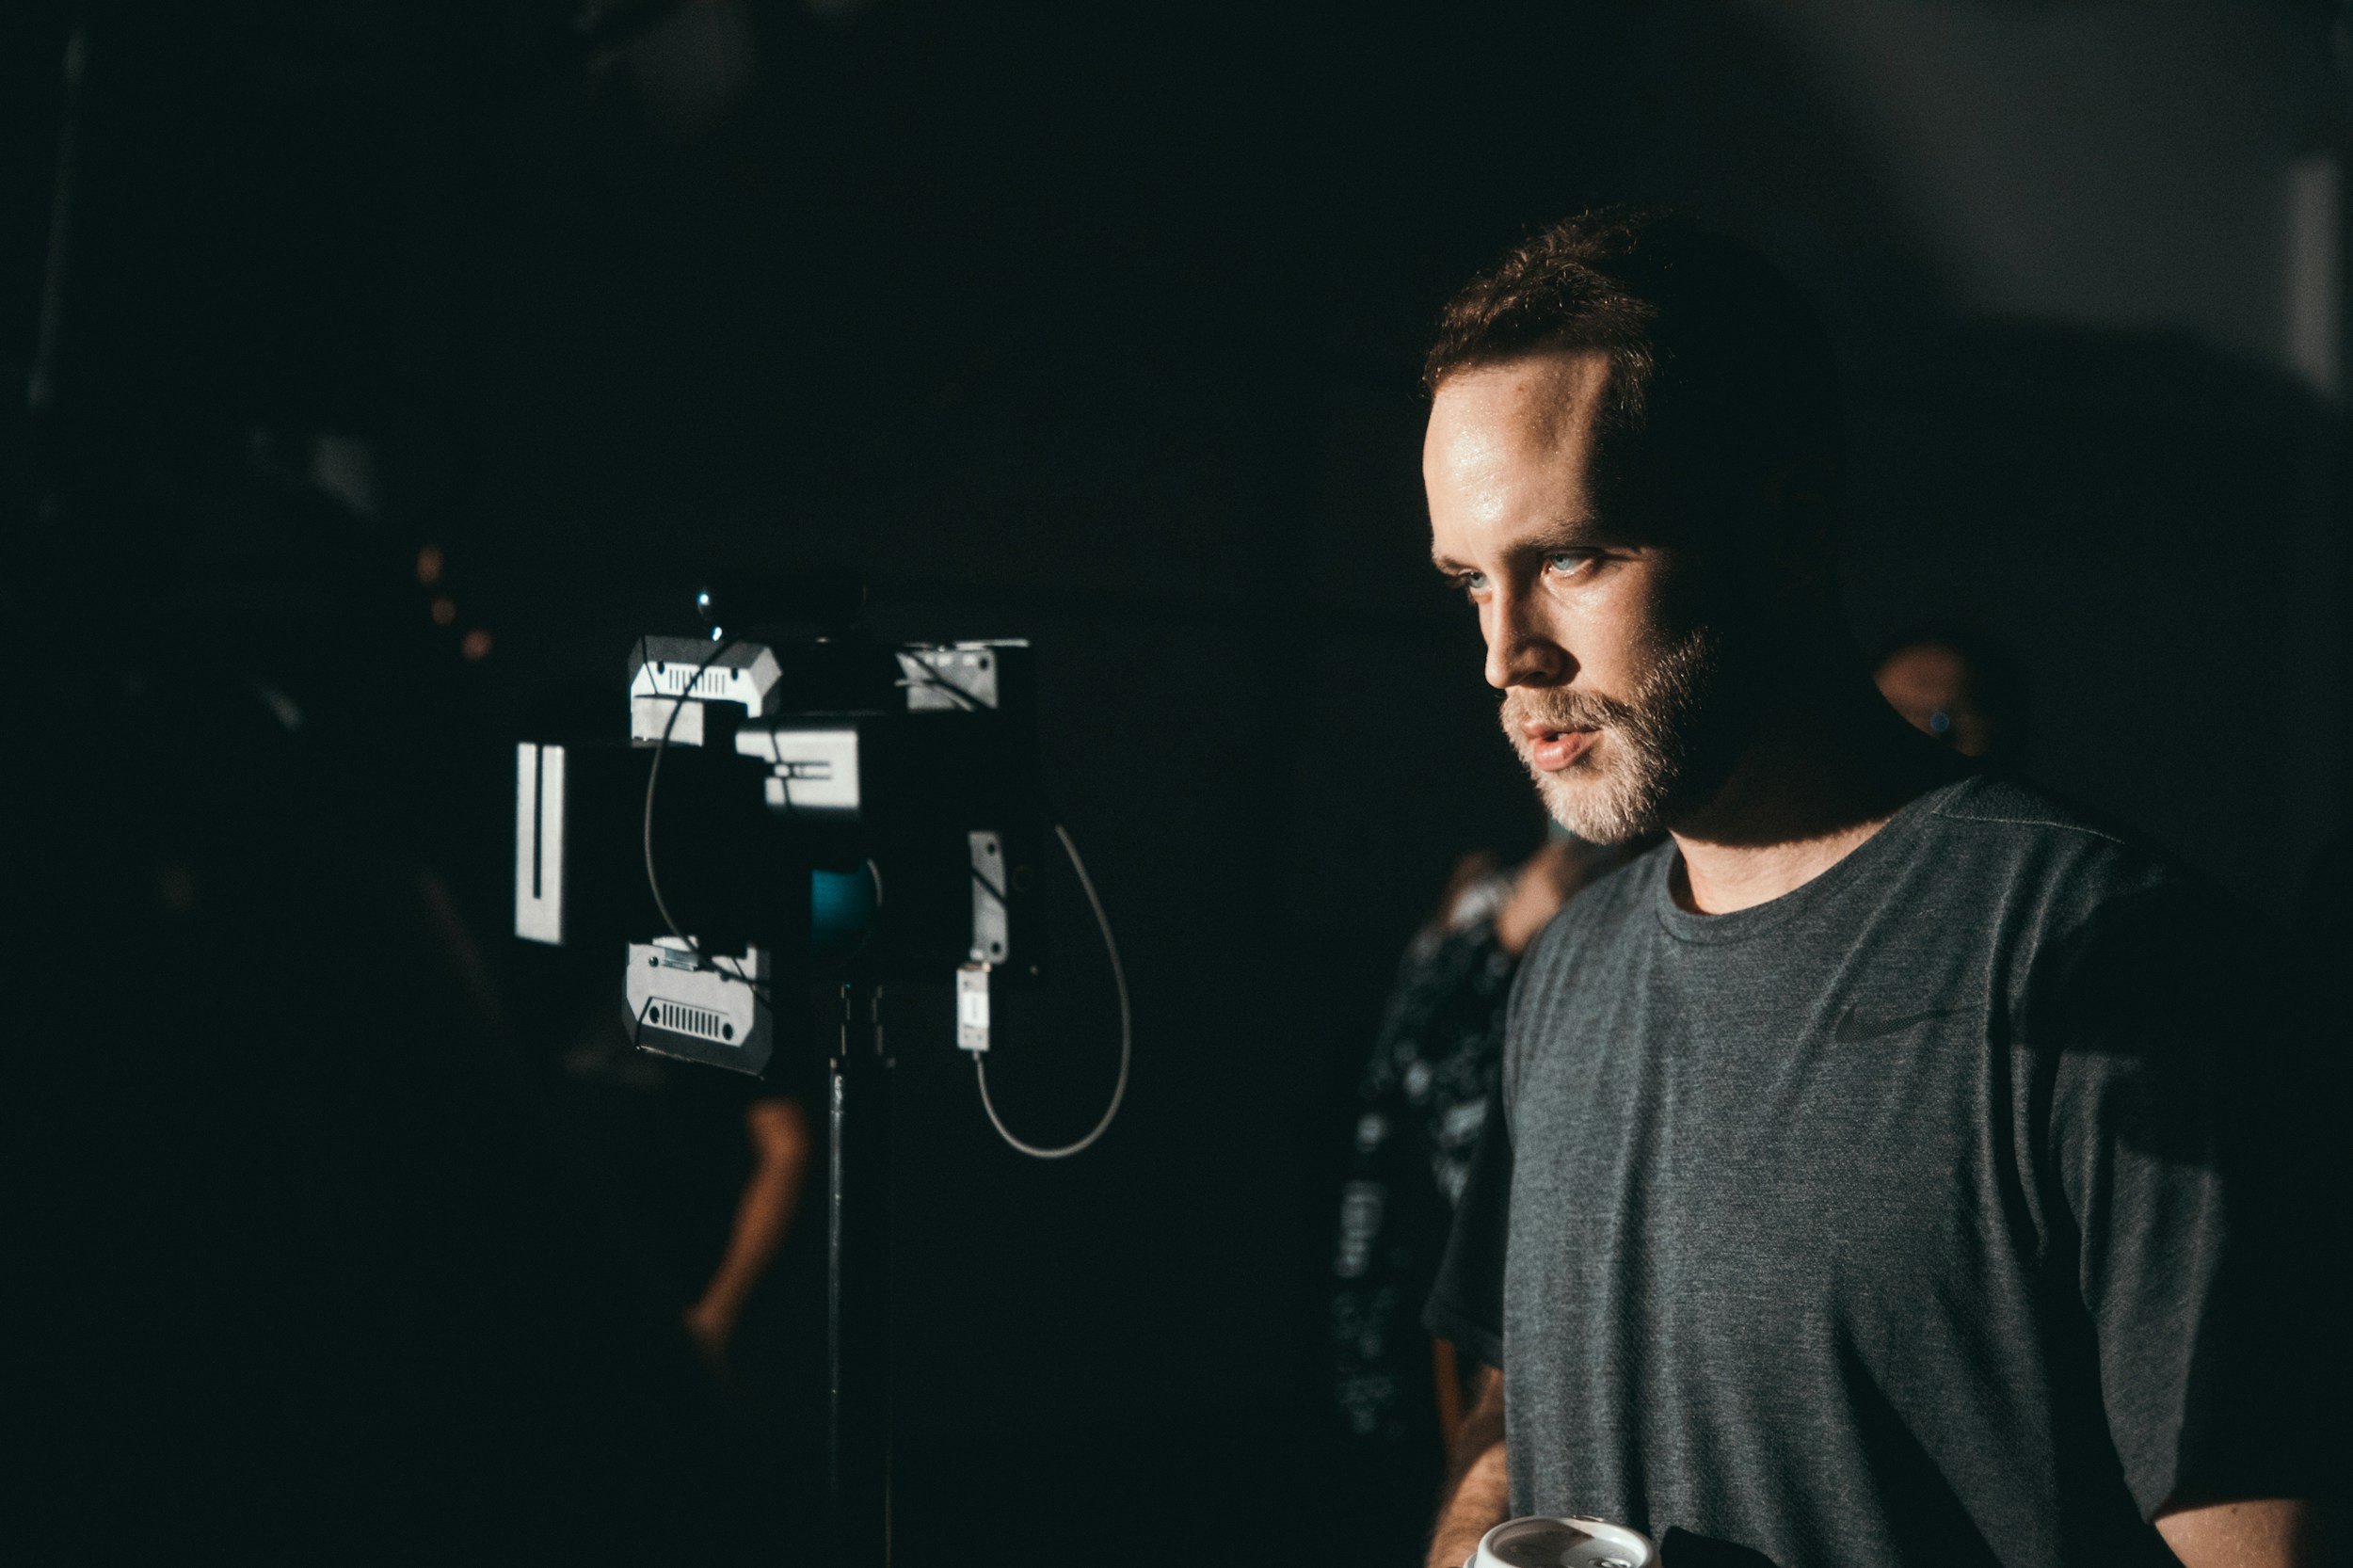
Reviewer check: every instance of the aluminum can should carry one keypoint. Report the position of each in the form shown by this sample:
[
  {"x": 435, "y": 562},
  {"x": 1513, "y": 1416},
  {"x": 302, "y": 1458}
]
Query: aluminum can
[{"x": 1578, "y": 1541}]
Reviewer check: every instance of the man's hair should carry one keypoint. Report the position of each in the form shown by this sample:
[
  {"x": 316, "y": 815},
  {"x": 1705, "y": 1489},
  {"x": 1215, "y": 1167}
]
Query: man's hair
[{"x": 1722, "y": 410}]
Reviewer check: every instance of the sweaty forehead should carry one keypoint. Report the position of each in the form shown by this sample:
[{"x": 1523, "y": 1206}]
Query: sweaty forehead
[{"x": 1537, "y": 410}]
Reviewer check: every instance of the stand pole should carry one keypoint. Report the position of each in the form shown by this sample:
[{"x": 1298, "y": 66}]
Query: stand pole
[{"x": 857, "y": 1285}]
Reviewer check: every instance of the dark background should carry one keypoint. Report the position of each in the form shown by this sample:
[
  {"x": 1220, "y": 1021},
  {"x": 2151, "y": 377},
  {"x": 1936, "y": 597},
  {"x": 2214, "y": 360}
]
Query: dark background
[{"x": 1098, "y": 324}]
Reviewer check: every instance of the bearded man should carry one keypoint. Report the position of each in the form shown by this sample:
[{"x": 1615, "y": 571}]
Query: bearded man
[{"x": 1897, "y": 1165}]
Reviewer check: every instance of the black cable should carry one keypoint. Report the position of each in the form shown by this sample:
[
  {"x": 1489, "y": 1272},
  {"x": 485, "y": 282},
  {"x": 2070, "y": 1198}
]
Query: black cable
[
  {"x": 654, "y": 778},
  {"x": 1127, "y": 1028}
]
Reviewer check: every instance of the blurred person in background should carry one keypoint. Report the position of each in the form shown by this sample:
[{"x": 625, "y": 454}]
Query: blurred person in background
[
  {"x": 1419, "y": 1104},
  {"x": 698, "y": 1181},
  {"x": 1960, "y": 689}
]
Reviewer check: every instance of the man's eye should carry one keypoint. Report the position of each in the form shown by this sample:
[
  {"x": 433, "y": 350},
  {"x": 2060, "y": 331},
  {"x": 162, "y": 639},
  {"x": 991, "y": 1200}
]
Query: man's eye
[
  {"x": 1471, "y": 583},
  {"x": 1568, "y": 563}
]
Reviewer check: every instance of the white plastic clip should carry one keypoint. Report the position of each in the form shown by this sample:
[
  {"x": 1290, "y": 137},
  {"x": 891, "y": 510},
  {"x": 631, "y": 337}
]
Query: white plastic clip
[{"x": 972, "y": 1007}]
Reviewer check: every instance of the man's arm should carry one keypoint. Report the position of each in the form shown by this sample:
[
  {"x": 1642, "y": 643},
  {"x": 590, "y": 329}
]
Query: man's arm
[
  {"x": 2267, "y": 1533},
  {"x": 779, "y": 1130},
  {"x": 1479, "y": 1495}
]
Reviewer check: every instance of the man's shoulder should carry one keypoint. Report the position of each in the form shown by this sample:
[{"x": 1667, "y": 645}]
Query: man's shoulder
[
  {"x": 2084, "y": 896},
  {"x": 2004, "y": 805},
  {"x": 2042, "y": 840}
]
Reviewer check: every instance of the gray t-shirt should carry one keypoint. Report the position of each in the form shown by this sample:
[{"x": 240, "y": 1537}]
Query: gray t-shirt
[{"x": 1950, "y": 1208}]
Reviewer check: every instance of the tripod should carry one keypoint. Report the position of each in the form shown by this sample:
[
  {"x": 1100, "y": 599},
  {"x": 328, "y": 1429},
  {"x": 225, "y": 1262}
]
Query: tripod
[{"x": 858, "y": 1284}]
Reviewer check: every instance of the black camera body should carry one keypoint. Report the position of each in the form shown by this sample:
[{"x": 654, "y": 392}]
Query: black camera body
[{"x": 784, "y": 813}]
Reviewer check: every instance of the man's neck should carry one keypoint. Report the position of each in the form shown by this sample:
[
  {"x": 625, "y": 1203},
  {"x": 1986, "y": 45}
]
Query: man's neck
[{"x": 1817, "y": 783}]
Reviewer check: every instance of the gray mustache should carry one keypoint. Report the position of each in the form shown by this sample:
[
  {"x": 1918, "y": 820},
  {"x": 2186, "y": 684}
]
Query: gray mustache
[{"x": 1563, "y": 710}]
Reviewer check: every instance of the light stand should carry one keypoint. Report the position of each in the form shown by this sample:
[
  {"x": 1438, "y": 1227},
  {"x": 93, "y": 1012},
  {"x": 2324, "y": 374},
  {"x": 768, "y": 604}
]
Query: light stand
[
  {"x": 779, "y": 765},
  {"x": 857, "y": 1285}
]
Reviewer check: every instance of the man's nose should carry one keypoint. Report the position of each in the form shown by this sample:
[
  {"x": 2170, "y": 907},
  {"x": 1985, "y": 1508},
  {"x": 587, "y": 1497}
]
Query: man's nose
[{"x": 1521, "y": 652}]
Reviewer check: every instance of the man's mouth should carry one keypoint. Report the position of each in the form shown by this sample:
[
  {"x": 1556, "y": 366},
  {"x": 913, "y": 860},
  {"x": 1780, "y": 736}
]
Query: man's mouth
[{"x": 1554, "y": 747}]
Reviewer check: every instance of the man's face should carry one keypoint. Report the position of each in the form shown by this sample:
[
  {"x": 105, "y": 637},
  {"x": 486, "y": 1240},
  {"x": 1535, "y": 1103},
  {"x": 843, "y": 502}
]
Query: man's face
[{"x": 1603, "y": 690}]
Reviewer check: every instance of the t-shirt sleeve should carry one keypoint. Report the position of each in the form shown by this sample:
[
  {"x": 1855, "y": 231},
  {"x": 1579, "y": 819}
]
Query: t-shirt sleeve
[
  {"x": 1466, "y": 1301},
  {"x": 2200, "y": 1201}
]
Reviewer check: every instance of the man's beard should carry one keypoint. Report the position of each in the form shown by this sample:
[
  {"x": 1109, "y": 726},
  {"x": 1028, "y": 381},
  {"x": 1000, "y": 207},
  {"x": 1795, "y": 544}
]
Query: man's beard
[{"x": 1643, "y": 768}]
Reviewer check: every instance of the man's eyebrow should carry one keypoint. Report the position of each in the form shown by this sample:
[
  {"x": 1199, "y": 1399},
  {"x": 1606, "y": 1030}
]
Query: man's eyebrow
[
  {"x": 1571, "y": 533},
  {"x": 1579, "y": 531}
]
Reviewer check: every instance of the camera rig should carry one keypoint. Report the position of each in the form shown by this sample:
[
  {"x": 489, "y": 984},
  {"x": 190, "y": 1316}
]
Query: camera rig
[
  {"x": 786, "y": 815},
  {"x": 794, "y": 818}
]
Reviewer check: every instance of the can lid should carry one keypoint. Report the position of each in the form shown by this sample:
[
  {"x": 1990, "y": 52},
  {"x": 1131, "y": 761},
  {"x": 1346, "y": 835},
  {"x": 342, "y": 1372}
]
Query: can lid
[{"x": 1581, "y": 1541}]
